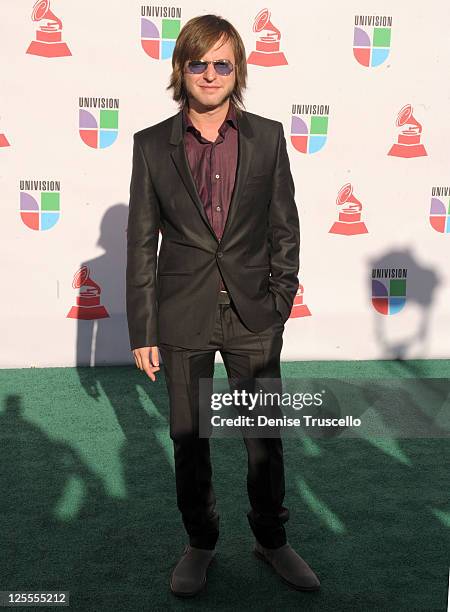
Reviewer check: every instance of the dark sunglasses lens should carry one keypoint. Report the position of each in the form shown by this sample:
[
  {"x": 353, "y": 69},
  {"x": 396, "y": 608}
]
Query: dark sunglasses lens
[
  {"x": 223, "y": 68},
  {"x": 197, "y": 67}
]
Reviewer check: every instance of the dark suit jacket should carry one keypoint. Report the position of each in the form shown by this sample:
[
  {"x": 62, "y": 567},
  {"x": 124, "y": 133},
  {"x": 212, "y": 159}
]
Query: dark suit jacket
[{"x": 172, "y": 298}]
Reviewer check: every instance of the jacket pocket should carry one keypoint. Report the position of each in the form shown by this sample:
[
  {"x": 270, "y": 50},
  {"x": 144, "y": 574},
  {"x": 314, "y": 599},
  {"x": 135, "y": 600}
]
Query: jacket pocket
[
  {"x": 174, "y": 273},
  {"x": 257, "y": 178},
  {"x": 257, "y": 266}
]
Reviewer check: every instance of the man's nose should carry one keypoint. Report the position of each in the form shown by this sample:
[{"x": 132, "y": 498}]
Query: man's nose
[{"x": 210, "y": 72}]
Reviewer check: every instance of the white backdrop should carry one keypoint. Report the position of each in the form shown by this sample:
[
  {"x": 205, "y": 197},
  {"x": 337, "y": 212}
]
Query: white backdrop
[{"x": 39, "y": 113}]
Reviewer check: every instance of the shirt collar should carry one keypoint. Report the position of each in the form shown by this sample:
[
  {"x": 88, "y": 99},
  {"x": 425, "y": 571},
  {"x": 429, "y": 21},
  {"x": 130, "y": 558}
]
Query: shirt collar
[{"x": 231, "y": 118}]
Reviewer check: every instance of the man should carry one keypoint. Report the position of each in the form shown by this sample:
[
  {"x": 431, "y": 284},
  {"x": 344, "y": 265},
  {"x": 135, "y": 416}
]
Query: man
[{"x": 215, "y": 180}]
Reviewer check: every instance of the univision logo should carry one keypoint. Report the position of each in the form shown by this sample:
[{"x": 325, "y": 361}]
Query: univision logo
[
  {"x": 41, "y": 210},
  {"x": 389, "y": 290},
  {"x": 98, "y": 126},
  {"x": 309, "y": 134},
  {"x": 158, "y": 36},
  {"x": 440, "y": 210},
  {"x": 371, "y": 39}
]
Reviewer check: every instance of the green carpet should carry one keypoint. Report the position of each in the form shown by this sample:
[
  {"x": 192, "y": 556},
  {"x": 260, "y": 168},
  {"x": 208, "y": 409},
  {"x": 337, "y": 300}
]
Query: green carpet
[{"x": 88, "y": 504}]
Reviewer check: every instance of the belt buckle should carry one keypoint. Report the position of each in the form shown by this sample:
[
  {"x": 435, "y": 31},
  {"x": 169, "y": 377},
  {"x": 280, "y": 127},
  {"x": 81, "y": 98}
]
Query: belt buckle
[{"x": 224, "y": 297}]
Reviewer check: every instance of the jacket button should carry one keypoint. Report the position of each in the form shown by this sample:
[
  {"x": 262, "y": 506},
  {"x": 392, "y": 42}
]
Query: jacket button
[{"x": 219, "y": 254}]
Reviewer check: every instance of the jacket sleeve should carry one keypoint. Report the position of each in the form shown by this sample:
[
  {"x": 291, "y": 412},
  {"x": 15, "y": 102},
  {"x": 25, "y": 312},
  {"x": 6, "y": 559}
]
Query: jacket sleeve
[
  {"x": 284, "y": 233},
  {"x": 142, "y": 246}
]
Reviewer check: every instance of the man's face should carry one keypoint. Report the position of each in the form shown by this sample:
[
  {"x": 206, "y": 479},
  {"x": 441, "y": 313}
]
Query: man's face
[{"x": 209, "y": 89}]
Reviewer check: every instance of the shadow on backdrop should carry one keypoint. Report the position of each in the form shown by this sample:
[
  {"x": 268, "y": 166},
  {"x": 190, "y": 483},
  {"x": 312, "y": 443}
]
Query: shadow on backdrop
[{"x": 421, "y": 284}]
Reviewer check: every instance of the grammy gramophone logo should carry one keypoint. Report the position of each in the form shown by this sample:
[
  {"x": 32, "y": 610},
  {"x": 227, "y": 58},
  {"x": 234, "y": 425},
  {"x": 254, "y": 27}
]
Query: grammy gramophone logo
[
  {"x": 408, "y": 141},
  {"x": 88, "y": 305},
  {"x": 267, "y": 51},
  {"x": 349, "y": 210},
  {"x": 372, "y": 39},
  {"x": 159, "y": 34},
  {"x": 299, "y": 308},
  {"x": 48, "y": 42}
]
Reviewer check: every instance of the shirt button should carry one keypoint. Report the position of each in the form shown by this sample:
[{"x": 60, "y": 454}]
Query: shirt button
[
  {"x": 217, "y": 176},
  {"x": 219, "y": 254},
  {"x": 218, "y": 208}
]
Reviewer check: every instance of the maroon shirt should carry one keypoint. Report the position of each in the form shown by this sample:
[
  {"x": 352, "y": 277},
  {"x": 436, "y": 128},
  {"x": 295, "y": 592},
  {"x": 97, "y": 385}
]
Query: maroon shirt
[{"x": 213, "y": 167}]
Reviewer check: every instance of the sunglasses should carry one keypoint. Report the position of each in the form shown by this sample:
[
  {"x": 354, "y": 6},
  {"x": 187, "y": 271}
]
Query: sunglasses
[{"x": 222, "y": 67}]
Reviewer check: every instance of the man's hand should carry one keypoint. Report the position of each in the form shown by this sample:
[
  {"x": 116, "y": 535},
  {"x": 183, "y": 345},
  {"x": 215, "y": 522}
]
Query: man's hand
[{"x": 147, "y": 359}]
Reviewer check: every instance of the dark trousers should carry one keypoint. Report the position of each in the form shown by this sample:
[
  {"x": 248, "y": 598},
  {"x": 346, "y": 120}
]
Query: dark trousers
[{"x": 245, "y": 354}]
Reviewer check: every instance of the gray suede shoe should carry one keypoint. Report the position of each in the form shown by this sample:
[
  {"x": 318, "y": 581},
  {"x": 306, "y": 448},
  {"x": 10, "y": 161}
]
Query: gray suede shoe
[
  {"x": 189, "y": 576},
  {"x": 289, "y": 565}
]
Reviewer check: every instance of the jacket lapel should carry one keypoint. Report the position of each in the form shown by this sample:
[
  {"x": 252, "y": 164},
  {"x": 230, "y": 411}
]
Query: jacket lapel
[{"x": 245, "y": 152}]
